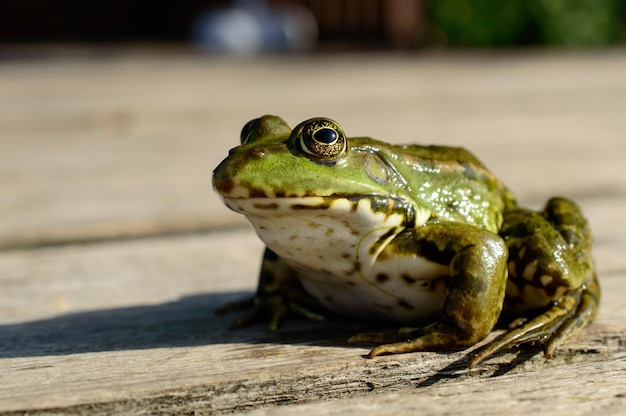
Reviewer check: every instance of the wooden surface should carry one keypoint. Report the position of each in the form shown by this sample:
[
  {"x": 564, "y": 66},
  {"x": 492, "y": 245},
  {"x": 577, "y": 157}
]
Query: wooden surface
[{"x": 115, "y": 251}]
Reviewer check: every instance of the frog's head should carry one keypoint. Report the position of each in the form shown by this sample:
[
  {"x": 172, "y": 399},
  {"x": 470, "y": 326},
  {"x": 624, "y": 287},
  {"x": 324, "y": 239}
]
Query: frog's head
[{"x": 313, "y": 165}]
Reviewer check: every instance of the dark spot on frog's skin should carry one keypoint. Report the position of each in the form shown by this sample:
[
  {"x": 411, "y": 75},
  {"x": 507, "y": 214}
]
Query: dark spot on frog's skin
[
  {"x": 330, "y": 232},
  {"x": 352, "y": 230},
  {"x": 257, "y": 193},
  {"x": 225, "y": 185},
  {"x": 381, "y": 277},
  {"x": 452, "y": 205},
  {"x": 518, "y": 278},
  {"x": 550, "y": 289},
  {"x": 469, "y": 171},
  {"x": 345, "y": 255},
  {"x": 298, "y": 207},
  {"x": 266, "y": 206},
  {"x": 356, "y": 266},
  {"x": 350, "y": 283},
  {"x": 384, "y": 205},
  {"x": 405, "y": 305},
  {"x": 429, "y": 250},
  {"x": 408, "y": 279},
  {"x": 325, "y": 271},
  {"x": 279, "y": 194}
]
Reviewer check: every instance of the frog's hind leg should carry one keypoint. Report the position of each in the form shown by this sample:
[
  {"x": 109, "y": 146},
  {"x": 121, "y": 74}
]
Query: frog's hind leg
[
  {"x": 550, "y": 266},
  {"x": 551, "y": 328}
]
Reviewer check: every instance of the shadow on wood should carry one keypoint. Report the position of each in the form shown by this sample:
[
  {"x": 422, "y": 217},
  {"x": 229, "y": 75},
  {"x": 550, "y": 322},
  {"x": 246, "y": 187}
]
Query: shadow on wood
[{"x": 189, "y": 321}]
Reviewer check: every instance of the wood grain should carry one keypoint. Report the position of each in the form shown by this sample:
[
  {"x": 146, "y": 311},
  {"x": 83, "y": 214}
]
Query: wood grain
[{"x": 115, "y": 251}]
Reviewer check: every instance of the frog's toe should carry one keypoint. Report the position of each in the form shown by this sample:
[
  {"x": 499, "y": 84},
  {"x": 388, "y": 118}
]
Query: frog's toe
[
  {"x": 551, "y": 328},
  {"x": 401, "y": 347},
  {"x": 585, "y": 313},
  {"x": 376, "y": 338},
  {"x": 249, "y": 319},
  {"x": 434, "y": 337},
  {"x": 247, "y": 303},
  {"x": 273, "y": 315},
  {"x": 537, "y": 330},
  {"x": 390, "y": 343},
  {"x": 306, "y": 312}
]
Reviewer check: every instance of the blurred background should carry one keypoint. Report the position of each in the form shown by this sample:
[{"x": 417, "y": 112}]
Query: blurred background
[
  {"x": 113, "y": 113},
  {"x": 250, "y": 26}
]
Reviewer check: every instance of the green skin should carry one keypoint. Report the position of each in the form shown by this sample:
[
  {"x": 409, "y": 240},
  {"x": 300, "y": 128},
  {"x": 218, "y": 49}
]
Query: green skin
[{"x": 407, "y": 206}]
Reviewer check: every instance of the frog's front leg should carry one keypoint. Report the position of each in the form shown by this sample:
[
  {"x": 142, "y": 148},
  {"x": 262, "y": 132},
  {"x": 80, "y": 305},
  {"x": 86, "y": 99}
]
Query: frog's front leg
[
  {"x": 279, "y": 294},
  {"x": 551, "y": 276},
  {"x": 478, "y": 272}
]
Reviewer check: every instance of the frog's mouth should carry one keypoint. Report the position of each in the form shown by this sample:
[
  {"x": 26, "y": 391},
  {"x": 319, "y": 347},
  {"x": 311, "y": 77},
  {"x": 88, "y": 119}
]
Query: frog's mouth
[{"x": 378, "y": 209}]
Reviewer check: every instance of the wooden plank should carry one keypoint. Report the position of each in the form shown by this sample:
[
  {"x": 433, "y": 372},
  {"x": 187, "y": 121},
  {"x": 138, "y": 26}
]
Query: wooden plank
[
  {"x": 95, "y": 149},
  {"x": 558, "y": 391}
]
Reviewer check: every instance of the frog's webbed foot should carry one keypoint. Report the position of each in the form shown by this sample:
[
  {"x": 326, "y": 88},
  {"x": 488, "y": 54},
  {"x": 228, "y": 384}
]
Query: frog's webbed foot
[
  {"x": 278, "y": 296},
  {"x": 431, "y": 337},
  {"x": 551, "y": 328},
  {"x": 273, "y": 310}
]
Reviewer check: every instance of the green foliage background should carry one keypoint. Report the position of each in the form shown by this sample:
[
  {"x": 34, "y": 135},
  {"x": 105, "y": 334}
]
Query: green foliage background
[{"x": 523, "y": 22}]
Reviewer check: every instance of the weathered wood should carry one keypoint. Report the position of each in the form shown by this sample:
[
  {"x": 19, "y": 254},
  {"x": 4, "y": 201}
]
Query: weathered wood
[
  {"x": 101, "y": 151},
  {"x": 558, "y": 391},
  {"x": 127, "y": 327},
  {"x": 124, "y": 147}
]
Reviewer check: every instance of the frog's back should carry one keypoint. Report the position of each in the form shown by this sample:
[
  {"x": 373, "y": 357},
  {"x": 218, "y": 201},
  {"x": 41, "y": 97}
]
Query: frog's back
[
  {"x": 452, "y": 183},
  {"x": 442, "y": 154}
]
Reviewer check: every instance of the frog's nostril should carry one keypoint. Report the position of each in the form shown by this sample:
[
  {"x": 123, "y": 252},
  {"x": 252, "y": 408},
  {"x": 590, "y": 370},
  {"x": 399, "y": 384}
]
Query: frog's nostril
[{"x": 259, "y": 152}]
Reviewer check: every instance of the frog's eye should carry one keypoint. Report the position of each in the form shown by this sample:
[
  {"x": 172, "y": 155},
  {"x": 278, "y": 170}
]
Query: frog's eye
[
  {"x": 321, "y": 139},
  {"x": 247, "y": 133}
]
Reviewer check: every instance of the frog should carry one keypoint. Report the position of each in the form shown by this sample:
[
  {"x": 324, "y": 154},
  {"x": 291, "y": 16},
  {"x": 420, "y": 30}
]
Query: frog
[{"x": 423, "y": 237}]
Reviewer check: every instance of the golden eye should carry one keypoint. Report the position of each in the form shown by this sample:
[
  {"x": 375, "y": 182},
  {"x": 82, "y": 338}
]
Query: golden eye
[{"x": 321, "y": 139}]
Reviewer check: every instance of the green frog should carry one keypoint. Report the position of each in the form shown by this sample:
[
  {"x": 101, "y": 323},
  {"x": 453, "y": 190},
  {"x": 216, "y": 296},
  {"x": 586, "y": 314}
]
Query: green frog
[{"x": 424, "y": 236}]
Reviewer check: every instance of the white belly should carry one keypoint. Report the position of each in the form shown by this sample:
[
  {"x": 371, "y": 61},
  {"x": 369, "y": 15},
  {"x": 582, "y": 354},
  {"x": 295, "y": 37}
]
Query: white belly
[
  {"x": 369, "y": 298},
  {"x": 331, "y": 249}
]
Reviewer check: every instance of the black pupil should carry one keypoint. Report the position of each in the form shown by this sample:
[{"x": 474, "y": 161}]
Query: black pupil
[{"x": 325, "y": 135}]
